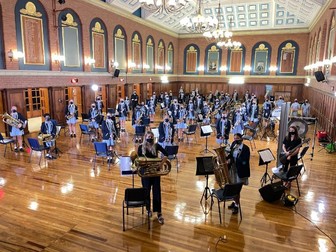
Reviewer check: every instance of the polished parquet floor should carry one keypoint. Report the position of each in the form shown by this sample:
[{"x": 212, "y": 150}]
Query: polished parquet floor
[{"x": 65, "y": 205}]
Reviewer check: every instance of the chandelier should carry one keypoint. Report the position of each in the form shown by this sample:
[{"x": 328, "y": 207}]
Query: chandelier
[
  {"x": 198, "y": 23},
  {"x": 158, "y": 6},
  {"x": 226, "y": 40}
]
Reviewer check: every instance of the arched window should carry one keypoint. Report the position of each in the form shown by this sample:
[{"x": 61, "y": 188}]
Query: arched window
[
  {"x": 136, "y": 53},
  {"x": 98, "y": 35},
  {"x": 161, "y": 57},
  {"x": 120, "y": 50},
  {"x": 331, "y": 42},
  {"x": 318, "y": 47},
  {"x": 150, "y": 55},
  {"x": 261, "y": 58},
  {"x": 191, "y": 56},
  {"x": 70, "y": 37},
  {"x": 236, "y": 60},
  {"x": 213, "y": 59},
  {"x": 170, "y": 60},
  {"x": 288, "y": 53},
  {"x": 32, "y": 35}
]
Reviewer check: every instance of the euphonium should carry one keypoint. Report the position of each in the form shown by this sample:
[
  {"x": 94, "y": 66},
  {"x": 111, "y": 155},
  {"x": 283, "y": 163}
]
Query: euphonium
[
  {"x": 221, "y": 169},
  {"x": 150, "y": 167},
  {"x": 10, "y": 120}
]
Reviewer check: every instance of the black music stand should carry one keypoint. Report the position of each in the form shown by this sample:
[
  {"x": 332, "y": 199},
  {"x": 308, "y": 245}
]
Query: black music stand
[
  {"x": 265, "y": 157},
  {"x": 206, "y": 131},
  {"x": 205, "y": 168}
]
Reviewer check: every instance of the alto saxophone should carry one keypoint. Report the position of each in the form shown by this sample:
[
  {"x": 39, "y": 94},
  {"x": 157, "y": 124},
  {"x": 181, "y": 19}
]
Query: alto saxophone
[{"x": 221, "y": 169}]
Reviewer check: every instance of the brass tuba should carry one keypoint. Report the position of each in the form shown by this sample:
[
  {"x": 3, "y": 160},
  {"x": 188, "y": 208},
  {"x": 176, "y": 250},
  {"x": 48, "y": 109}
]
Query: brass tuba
[
  {"x": 150, "y": 167},
  {"x": 221, "y": 169},
  {"x": 10, "y": 120}
]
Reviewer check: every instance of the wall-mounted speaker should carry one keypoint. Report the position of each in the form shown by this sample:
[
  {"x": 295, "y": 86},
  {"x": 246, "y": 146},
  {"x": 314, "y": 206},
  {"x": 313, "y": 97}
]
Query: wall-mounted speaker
[
  {"x": 116, "y": 73},
  {"x": 319, "y": 76}
]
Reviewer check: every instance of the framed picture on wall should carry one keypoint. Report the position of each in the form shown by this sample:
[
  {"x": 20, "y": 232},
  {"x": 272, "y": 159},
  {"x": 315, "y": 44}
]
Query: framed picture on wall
[{"x": 285, "y": 94}]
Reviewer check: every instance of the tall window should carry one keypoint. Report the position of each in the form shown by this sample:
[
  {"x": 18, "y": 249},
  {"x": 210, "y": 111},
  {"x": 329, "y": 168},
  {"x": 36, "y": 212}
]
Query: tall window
[
  {"x": 150, "y": 55},
  {"x": 136, "y": 53},
  {"x": 120, "y": 48},
  {"x": 98, "y": 60},
  {"x": 191, "y": 56},
  {"x": 161, "y": 57}
]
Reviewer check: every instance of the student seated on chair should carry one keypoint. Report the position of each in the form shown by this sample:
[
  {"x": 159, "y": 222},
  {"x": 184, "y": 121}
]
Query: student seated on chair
[
  {"x": 291, "y": 141},
  {"x": 48, "y": 127},
  {"x": 239, "y": 163}
]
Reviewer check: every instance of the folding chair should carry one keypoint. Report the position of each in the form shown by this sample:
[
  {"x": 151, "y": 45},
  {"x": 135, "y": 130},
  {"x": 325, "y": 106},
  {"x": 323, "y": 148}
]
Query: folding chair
[
  {"x": 135, "y": 197},
  {"x": 292, "y": 174},
  {"x": 85, "y": 131},
  {"x": 101, "y": 151},
  {"x": 139, "y": 132},
  {"x": 230, "y": 192},
  {"x": 191, "y": 130},
  {"x": 36, "y": 146},
  {"x": 85, "y": 117},
  {"x": 172, "y": 151},
  {"x": 5, "y": 141},
  {"x": 249, "y": 134},
  {"x": 301, "y": 155}
]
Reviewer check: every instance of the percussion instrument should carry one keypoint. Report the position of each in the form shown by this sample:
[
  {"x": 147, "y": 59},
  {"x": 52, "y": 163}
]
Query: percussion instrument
[{"x": 301, "y": 126}]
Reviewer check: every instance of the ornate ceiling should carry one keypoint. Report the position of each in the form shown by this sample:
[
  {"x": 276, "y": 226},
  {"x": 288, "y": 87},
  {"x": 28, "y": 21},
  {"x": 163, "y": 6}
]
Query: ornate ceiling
[{"x": 246, "y": 15}]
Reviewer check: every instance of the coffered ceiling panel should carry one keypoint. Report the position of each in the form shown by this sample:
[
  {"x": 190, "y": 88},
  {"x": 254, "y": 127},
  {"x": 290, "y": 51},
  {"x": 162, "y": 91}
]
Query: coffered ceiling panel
[{"x": 240, "y": 15}]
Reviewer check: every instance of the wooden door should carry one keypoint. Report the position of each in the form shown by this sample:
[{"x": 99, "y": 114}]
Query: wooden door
[
  {"x": 57, "y": 104},
  {"x": 149, "y": 90},
  {"x": 16, "y": 97},
  {"x": 44, "y": 99},
  {"x": 120, "y": 92}
]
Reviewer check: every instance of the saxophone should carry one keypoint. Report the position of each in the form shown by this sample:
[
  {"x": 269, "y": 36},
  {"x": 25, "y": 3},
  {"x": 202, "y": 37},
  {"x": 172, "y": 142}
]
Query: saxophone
[
  {"x": 150, "y": 167},
  {"x": 221, "y": 169}
]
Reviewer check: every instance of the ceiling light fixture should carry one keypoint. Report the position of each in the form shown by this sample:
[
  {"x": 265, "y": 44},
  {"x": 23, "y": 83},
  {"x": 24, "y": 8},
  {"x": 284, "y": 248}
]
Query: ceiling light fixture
[
  {"x": 224, "y": 38},
  {"x": 159, "y": 6},
  {"x": 198, "y": 23}
]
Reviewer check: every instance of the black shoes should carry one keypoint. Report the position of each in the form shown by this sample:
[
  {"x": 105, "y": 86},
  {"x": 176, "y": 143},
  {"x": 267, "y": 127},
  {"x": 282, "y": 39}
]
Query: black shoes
[
  {"x": 234, "y": 208},
  {"x": 232, "y": 205},
  {"x": 160, "y": 219}
]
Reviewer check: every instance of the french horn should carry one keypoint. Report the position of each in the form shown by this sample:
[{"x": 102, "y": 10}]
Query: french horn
[{"x": 150, "y": 167}]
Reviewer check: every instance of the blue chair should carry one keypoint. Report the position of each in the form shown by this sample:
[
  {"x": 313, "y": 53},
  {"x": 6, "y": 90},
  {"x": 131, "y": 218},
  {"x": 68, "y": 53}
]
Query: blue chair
[
  {"x": 135, "y": 197},
  {"x": 172, "y": 151},
  {"x": 139, "y": 132},
  {"x": 101, "y": 151},
  {"x": 85, "y": 130},
  {"x": 228, "y": 193},
  {"x": 6, "y": 141},
  {"x": 36, "y": 146}
]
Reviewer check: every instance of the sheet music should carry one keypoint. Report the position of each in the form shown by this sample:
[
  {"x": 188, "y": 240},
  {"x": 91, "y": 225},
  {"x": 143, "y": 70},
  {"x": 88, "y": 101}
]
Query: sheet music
[
  {"x": 266, "y": 155},
  {"x": 206, "y": 129},
  {"x": 155, "y": 132}
]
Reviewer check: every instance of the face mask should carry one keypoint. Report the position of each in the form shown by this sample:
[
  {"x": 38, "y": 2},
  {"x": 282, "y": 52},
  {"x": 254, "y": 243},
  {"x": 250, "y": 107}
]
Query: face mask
[
  {"x": 166, "y": 120},
  {"x": 71, "y": 102},
  {"x": 224, "y": 117},
  {"x": 93, "y": 107},
  {"x": 292, "y": 133},
  {"x": 150, "y": 140},
  {"x": 14, "y": 111},
  {"x": 239, "y": 141},
  {"x": 47, "y": 118},
  {"x": 109, "y": 117}
]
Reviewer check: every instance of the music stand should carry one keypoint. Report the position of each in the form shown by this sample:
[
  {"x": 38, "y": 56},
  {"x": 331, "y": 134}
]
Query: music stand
[
  {"x": 265, "y": 157},
  {"x": 126, "y": 167},
  {"x": 205, "y": 168},
  {"x": 206, "y": 131}
]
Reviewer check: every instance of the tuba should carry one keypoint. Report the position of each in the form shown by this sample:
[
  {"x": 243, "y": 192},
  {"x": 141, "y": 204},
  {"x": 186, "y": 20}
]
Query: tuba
[
  {"x": 150, "y": 167},
  {"x": 10, "y": 120},
  {"x": 221, "y": 169}
]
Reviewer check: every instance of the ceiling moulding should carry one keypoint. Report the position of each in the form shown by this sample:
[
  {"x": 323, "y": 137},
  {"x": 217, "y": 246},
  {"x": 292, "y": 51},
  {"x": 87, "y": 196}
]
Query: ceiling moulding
[
  {"x": 320, "y": 14},
  {"x": 253, "y": 33},
  {"x": 121, "y": 12}
]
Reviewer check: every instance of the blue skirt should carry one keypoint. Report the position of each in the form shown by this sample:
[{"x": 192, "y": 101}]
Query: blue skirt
[
  {"x": 72, "y": 120},
  {"x": 16, "y": 132},
  {"x": 109, "y": 142}
]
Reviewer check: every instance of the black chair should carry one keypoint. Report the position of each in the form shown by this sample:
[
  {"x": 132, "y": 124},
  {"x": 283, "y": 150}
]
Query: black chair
[
  {"x": 191, "y": 130},
  {"x": 85, "y": 130},
  {"x": 139, "y": 132},
  {"x": 6, "y": 141},
  {"x": 292, "y": 174},
  {"x": 101, "y": 151},
  {"x": 135, "y": 197},
  {"x": 230, "y": 192},
  {"x": 85, "y": 117},
  {"x": 172, "y": 151},
  {"x": 249, "y": 134},
  {"x": 36, "y": 146},
  {"x": 301, "y": 155}
]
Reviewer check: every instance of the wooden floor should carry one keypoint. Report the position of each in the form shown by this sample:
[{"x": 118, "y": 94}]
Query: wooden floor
[{"x": 65, "y": 205}]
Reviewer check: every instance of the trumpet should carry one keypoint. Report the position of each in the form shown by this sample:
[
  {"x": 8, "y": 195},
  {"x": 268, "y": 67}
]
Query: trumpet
[
  {"x": 10, "y": 120},
  {"x": 150, "y": 167}
]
